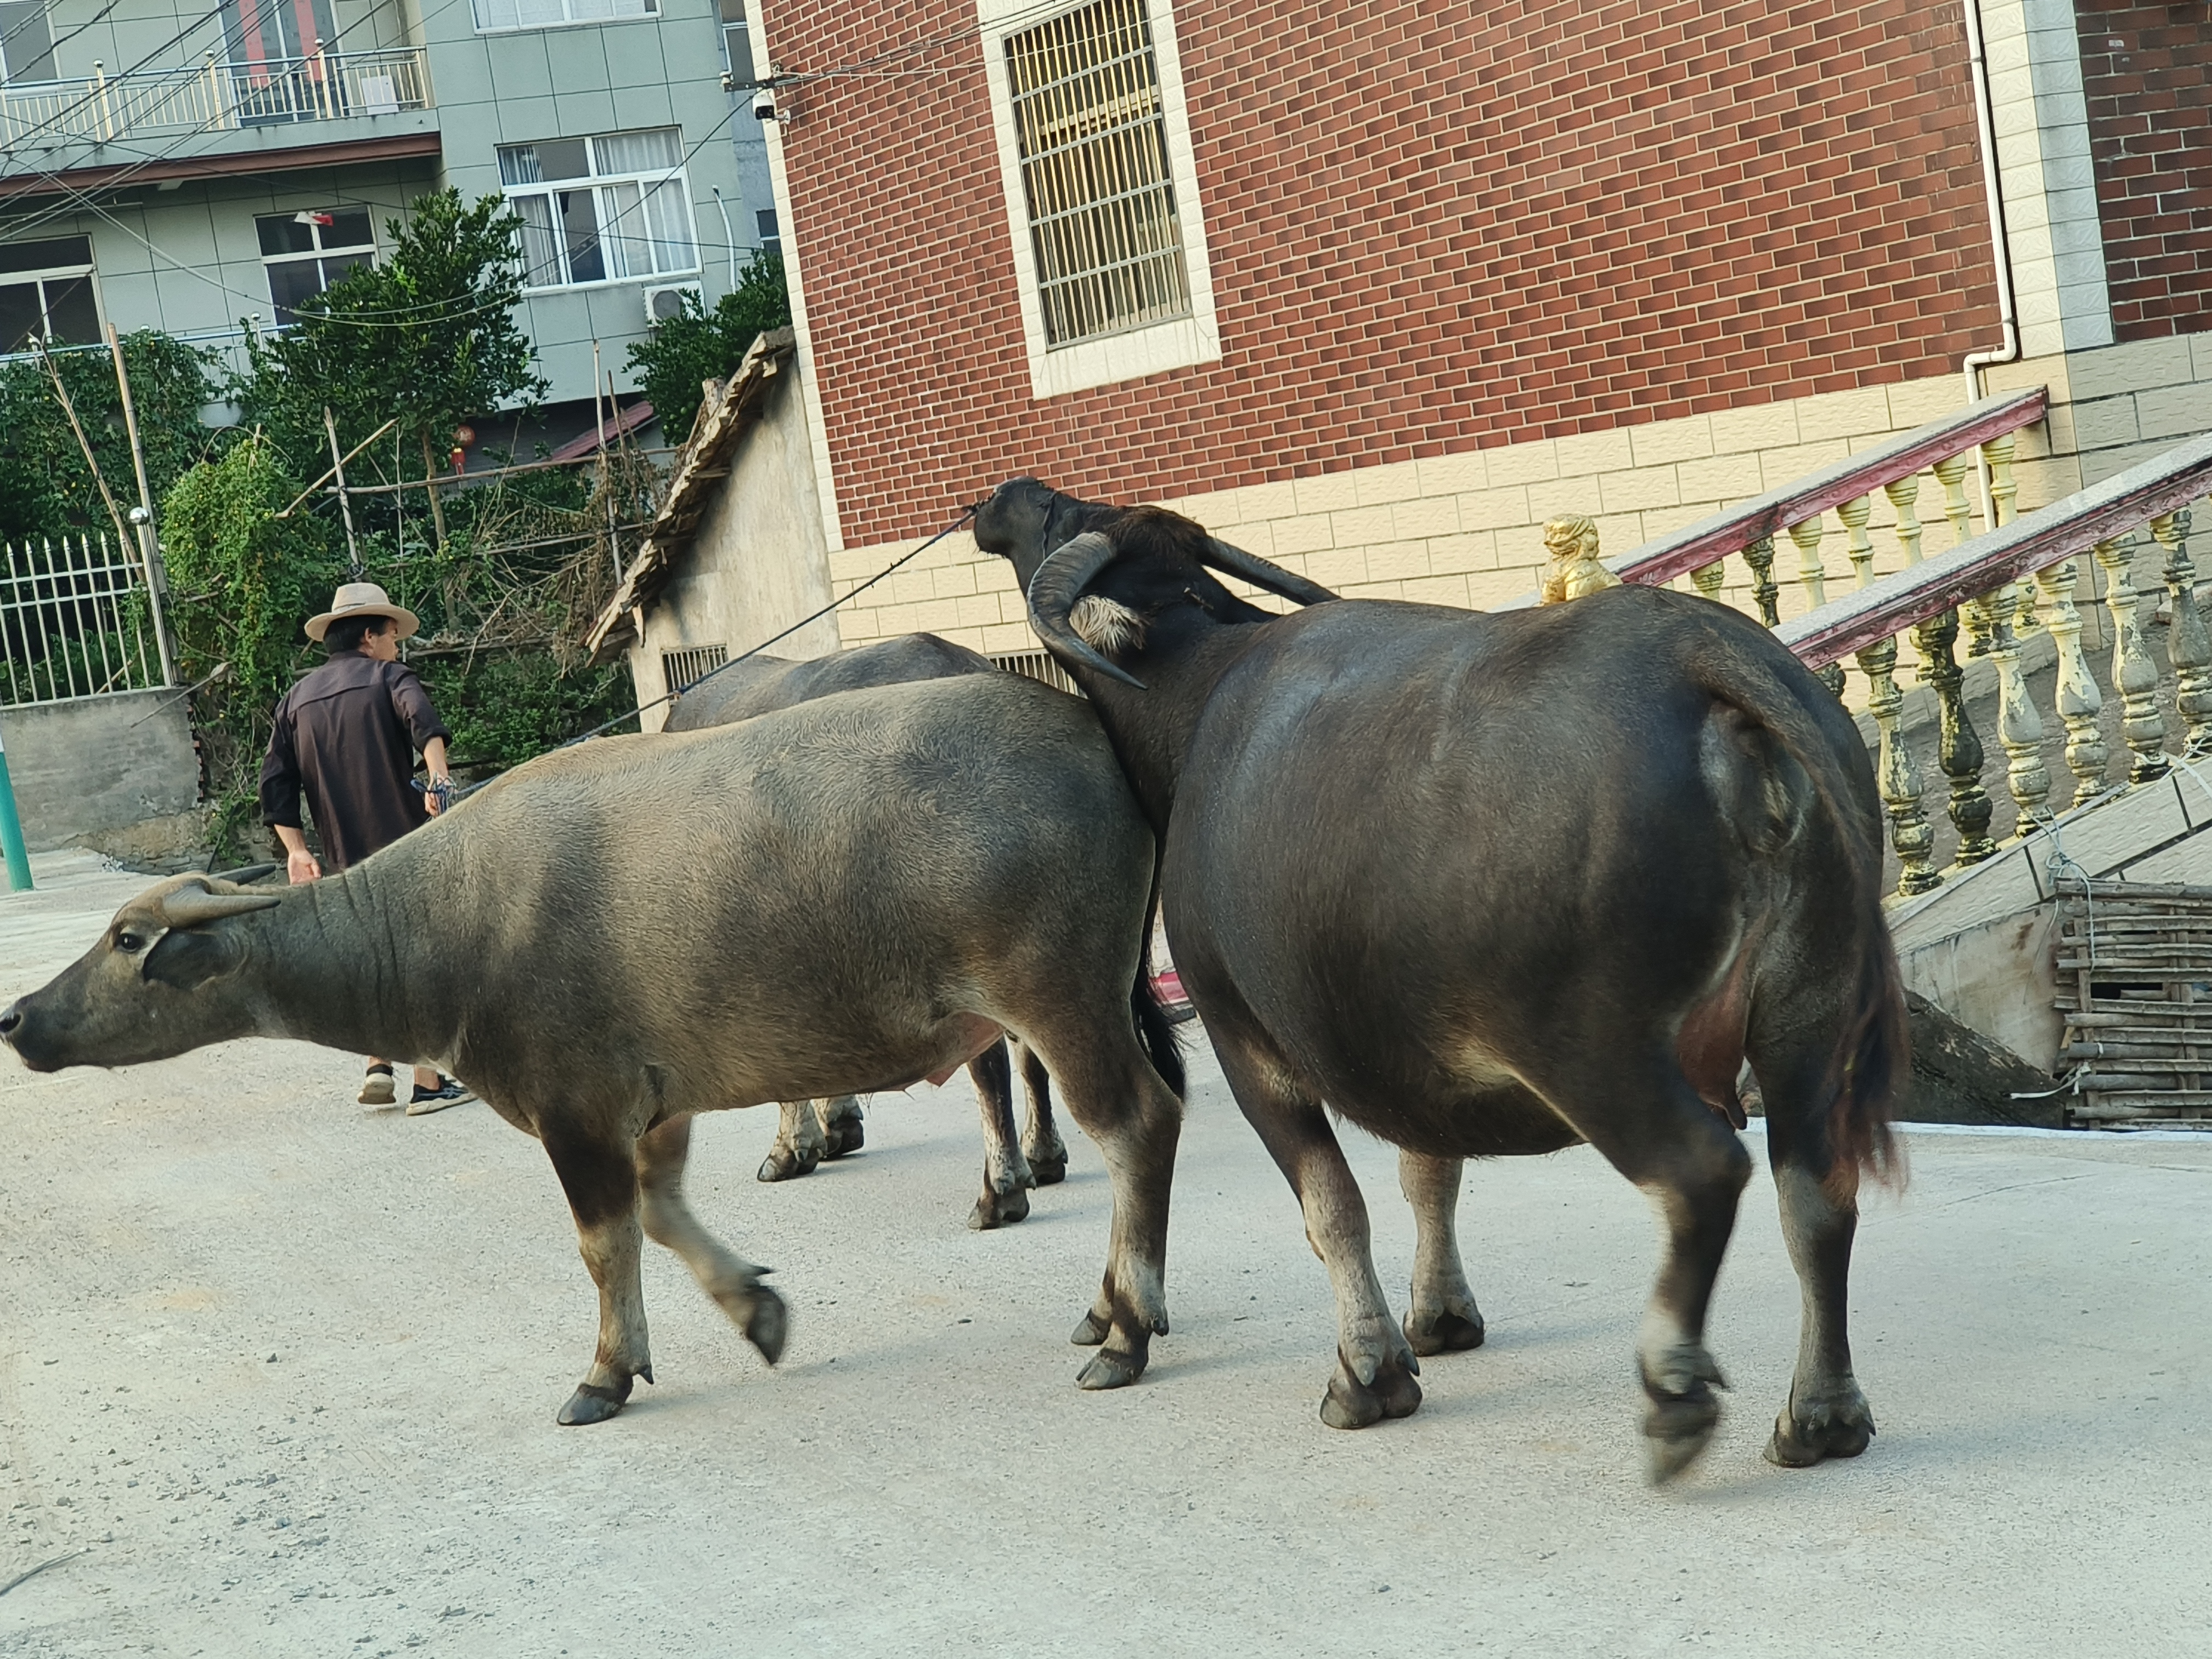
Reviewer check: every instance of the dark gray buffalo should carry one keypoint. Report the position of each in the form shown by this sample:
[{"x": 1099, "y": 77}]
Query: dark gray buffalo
[
  {"x": 849, "y": 895},
  {"x": 1492, "y": 884},
  {"x": 809, "y": 1131}
]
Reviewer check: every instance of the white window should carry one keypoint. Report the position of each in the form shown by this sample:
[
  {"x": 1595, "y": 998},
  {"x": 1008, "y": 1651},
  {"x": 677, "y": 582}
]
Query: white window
[
  {"x": 1101, "y": 190},
  {"x": 737, "y": 44},
  {"x": 305, "y": 252},
  {"x": 605, "y": 210},
  {"x": 46, "y": 293},
  {"x": 27, "y": 45},
  {"x": 551, "y": 13}
]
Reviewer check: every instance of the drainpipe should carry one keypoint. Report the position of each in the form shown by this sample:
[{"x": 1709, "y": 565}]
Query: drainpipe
[
  {"x": 729, "y": 236},
  {"x": 1977, "y": 70}
]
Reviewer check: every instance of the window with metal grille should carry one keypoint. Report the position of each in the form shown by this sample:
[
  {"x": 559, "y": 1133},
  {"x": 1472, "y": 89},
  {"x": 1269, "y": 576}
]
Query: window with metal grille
[
  {"x": 1092, "y": 138},
  {"x": 682, "y": 670},
  {"x": 1038, "y": 665}
]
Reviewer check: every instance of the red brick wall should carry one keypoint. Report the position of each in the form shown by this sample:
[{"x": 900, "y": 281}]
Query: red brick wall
[
  {"x": 2147, "y": 71},
  {"x": 1435, "y": 226}
]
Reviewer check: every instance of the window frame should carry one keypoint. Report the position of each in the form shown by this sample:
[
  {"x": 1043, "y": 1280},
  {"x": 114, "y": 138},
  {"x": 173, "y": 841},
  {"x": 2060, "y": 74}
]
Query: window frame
[
  {"x": 599, "y": 183},
  {"x": 70, "y": 271},
  {"x": 317, "y": 254},
  {"x": 653, "y": 13},
  {"x": 1153, "y": 349}
]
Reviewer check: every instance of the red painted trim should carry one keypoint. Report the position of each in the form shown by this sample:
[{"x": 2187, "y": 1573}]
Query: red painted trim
[{"x": 345, "y": 153}]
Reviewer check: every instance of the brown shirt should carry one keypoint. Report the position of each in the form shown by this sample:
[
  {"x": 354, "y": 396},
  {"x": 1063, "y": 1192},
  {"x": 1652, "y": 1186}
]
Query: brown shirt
[{"x": 347, "y": 735}]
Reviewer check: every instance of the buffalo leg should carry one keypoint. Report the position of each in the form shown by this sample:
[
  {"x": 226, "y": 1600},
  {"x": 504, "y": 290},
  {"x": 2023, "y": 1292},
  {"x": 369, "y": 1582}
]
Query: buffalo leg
[
  {"x": 843, "y": 1129},
  {"x": 1825, "y": 1415},
  {"x": 1006, "y": 1178},
  {"x": 601, "y": 1182},
  {"x": 734, "y": 1283},
  {"x": 1651, "y": 1125},
  {"x": 1376, "y": 1366},
  {"x": 1442, "y": 1316},
  {"x": 1113, "y": 1091},
  {"x": 800, "y": 1142},
  {"x": 1045, "y": 1152}
]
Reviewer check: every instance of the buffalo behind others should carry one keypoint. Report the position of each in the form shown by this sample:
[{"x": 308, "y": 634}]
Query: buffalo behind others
[{"x": 847, "y": 897}]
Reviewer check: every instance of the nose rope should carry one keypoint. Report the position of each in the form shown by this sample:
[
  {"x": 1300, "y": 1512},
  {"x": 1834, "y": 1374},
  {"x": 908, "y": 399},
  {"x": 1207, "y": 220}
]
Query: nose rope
[{"x": 966, "y": 514}]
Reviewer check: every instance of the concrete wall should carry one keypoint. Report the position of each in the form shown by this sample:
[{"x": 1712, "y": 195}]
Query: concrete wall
[
  {"x": 90, "y": 766},
  {"x": 759, "y": 562}
]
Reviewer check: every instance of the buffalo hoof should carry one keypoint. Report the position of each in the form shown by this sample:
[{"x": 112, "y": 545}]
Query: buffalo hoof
[
  {"x": 1110, "y": 1368},
  {"x": 1350, "y": 1403},
  {"x": 1090, "y": 1330},
  {"x": 1808, "y": 1431},
  {"x": 783, "y": 1163},
  {"x": 1049, "y": 1170},
  {"x": 767, "y": 1324},
  {"x": 593, "y": 1404},
  {"x": 1681, "y": 1411},
  {"x": 1442, "y": 1332},
  {"x": 847, "y": 1134},
  {"x": 994, "y": 1210}
]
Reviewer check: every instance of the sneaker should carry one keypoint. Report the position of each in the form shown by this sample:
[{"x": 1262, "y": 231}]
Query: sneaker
[
  {"x": 450, "y": 1091},
  {"x": 377, "y": 1089}
]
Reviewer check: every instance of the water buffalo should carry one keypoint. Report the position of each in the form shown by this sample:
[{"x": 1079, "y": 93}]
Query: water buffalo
[
  {"x": 1492, "y": 884},
  {"x": 849, "y": 895},
  {"x": 809, "y": 1131}
]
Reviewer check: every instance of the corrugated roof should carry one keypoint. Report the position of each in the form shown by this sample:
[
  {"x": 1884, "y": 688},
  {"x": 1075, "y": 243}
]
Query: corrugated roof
[{"x": 729, "y": 411}]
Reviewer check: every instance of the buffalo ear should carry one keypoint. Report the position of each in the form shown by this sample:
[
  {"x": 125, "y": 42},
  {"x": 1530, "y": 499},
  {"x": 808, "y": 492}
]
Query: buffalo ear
[{"x": 183, "y": 958}]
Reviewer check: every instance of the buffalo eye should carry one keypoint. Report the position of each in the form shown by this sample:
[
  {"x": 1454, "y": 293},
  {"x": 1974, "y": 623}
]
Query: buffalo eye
[{"x": 130, "y": 943}]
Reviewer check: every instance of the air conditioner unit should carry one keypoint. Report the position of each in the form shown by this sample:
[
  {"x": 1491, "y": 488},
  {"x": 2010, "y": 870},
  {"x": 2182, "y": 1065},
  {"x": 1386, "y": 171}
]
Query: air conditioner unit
[{"x": 665, "y": 303}]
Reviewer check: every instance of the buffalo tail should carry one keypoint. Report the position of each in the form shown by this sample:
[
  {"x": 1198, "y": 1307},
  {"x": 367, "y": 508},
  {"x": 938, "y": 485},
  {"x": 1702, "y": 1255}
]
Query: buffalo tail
[{"x": 1872, "y": 1060}]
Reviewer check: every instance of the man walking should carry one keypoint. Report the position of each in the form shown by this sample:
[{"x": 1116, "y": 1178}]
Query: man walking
[{"x": 346, "y": 736}]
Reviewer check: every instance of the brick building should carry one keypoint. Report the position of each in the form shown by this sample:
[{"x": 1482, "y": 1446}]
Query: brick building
[{"x": 1374, "y": 288}]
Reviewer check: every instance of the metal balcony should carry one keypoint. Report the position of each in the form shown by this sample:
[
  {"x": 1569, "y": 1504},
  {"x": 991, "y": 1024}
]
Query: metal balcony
[{"x": 213, "y": 97}]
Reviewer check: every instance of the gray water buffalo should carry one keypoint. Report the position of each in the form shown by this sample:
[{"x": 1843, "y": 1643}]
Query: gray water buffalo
[
  {"x": 809, "y": 1131},
  {"x": 1492, "y": 884},
  {"x": 849, "y": 896}
]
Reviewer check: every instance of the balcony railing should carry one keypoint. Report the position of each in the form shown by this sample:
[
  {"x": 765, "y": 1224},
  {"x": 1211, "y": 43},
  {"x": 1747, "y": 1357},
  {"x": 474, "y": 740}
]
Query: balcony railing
[
  {"x": 214, "y": 97},
  {"x": 74, "y": 622}
]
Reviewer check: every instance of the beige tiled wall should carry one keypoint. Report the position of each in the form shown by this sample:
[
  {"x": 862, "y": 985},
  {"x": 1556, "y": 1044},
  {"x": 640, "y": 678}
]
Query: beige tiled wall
[{"x": 1467, "y": 529}]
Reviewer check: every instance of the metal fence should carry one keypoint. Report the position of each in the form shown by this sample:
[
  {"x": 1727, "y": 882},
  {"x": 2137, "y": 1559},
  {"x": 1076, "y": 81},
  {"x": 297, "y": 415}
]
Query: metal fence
[
  {"x": 211, "y": 97},
  {"x": 74, "y": 623}
]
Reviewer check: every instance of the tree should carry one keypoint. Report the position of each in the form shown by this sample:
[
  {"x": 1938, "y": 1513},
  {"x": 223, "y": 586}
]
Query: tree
[
  {"x": 428, "y": 336},
  {"x": 46, "y": 490},
  {"x": 699, "y": 346}
]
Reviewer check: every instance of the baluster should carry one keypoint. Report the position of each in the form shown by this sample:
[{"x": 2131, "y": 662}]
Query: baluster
[
  {"x": 1895, "y": 773},
  {"x": 2020, "y": 730},
  {"x": 1996, "y": 455},
  {"x": 1709, "y": 580},
  {"x": 2188, "y": 650},
  {"x": 1905, "y": 496},
  {"x": 2079, "y": 700},
  {"x": 1764, "y": 592},
  {"x": 1951, "y": 473},
  {"x": 2134, "y": 674},
  {"x": 1814, "y": 581}
]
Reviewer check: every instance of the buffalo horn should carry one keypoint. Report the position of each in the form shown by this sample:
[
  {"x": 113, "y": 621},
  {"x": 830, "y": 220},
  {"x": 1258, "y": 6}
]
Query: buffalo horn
[
  {"x": 1251, "y": 568},
  {"x": 1058, "y": 584},
  {"x": 244, "y": 873},
  {"x": 189, "y": 907}
]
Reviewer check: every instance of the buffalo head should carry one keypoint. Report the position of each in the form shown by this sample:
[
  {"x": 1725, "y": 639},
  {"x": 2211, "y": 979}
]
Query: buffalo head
[
  {"x": 138, "y": 995},
  {"x": 1099, "y": 577}
]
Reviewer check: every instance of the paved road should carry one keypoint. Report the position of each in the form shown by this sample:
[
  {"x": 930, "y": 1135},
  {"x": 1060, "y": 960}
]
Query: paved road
[{"x": 279, "y": 1376}]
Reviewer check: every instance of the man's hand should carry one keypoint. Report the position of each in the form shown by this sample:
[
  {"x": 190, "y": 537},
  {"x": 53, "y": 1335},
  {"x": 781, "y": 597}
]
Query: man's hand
[
  {"x": 300, "y": 863},
  {"x": 434, "y": 798}
]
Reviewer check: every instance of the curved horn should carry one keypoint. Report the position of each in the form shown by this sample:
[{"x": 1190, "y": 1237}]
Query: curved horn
[
  {"x": 244, "y": 873},
  {"x": 189, "y": 906},
  {"x": 1257, "y": 571},
  {"x": 1058, "y": 584}
]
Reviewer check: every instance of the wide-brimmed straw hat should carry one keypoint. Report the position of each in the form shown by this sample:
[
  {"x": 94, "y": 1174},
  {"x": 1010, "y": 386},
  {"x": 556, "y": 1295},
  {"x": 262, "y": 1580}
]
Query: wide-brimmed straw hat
[{"x": 361, "y": 599}]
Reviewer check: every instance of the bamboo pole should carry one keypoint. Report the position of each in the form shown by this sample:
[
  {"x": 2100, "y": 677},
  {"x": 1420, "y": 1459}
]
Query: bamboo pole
[
  {"x": 122, "y": 536},
  {"x": 149, "y": 543},
  {"x": 345, "y": 506}
]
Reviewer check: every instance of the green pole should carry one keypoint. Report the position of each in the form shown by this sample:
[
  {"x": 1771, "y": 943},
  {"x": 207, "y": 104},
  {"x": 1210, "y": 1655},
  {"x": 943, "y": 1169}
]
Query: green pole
[{"x": 11, "y": 831}]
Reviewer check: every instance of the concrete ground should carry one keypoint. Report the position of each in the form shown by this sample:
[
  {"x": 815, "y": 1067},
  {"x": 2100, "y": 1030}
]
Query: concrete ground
[{"x": 278, "y": 1376}]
